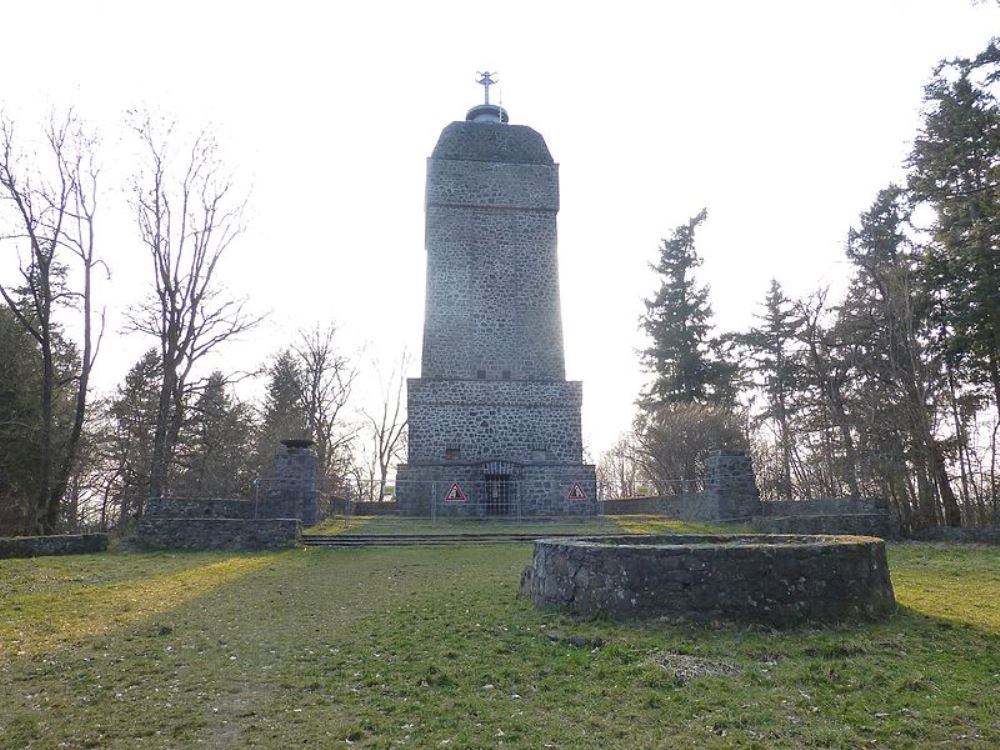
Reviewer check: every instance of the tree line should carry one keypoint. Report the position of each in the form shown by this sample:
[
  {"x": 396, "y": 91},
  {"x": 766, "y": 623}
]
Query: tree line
[
  {"x": 69, "y": 461},
  {"x": 891, "y": 391}
]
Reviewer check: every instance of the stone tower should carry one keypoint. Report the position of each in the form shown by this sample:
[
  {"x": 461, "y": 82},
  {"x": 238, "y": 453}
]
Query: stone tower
[{"x": 494, "y": 427}]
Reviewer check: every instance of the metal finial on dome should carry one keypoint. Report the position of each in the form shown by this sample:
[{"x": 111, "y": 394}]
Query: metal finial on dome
[
  {"x": 487, "y": 112},
  {"x": 486, "y": 80}
]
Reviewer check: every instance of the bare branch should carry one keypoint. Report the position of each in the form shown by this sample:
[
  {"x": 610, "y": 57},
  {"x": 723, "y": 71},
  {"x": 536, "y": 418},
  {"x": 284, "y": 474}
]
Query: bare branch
[{"x": 187, "y": 223}]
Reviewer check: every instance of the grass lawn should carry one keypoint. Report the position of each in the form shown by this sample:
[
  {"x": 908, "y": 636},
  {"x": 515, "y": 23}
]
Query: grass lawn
[{"x": 430, "y": 648}]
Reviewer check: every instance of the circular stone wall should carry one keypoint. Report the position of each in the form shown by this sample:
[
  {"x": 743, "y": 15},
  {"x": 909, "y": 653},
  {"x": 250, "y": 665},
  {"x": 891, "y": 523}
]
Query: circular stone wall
[{"x": 774, "y": 579}]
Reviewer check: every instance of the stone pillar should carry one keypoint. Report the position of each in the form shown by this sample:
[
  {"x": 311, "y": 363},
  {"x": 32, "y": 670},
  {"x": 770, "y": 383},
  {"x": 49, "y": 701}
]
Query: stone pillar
[
  {"x": 730, "y": 485},
  {"x": 291, "y": 492}
]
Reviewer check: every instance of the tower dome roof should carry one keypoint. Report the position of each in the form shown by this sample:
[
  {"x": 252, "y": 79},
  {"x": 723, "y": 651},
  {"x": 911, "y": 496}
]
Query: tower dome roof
[
  {"x": 496, "y": 142},
  {"x": 493, "y": 113}
]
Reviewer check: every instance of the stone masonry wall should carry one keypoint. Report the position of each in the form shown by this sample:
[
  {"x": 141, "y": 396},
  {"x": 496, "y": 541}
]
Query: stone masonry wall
[
  {"x": 516, "y": 421},
  {"x": 546, "y": 489},
  {"x": 954, "y": 535},
  {"x": 61, "y": 544},
  {"x": 291, "y": 491},
  {"x": 218, "y": 533},
  {"x": 492, "y": 386},
  {"x": 495, "y": 143},
  {"x": 169, "y": 507},
  {"x": 273, "y": 522},
  {"x": 779, "y": 581},
  {"x": 462, "y": 182},
  {"x": 492, "y": 298},
  {"x": 866, "y": 516},
  {"x": 540, "y": 490},
  {"x": 730, "y": 494},
  {"x": 731, "y": 486},
  {"x": 535, "y": 394}
]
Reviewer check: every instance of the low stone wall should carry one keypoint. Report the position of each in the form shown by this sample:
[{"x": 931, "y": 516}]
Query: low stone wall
[
  {"x": 729, "y": 494},
  {"x": 862, "y": 516},
  {"x": 958, "y": 535},
  {"x": 169, "y": 507},
  {"x": 218, "y": 533},
  {"x": 778, "y": 580},
  {"x": 62, "y": 544}
]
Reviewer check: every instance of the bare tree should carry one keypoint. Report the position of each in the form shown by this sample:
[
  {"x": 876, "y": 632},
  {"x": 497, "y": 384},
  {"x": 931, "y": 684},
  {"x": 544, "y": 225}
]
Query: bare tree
[
  {"x": 670, "y": 442},
  {"x": 187, "y": 219},
  {"x": 618, "y": 470},
  {"x": 51, "y": 214},
  {"x": 362, "y": 476},
  {"x": 327, "y": 378},
  {"x": 388, "y": 424}
]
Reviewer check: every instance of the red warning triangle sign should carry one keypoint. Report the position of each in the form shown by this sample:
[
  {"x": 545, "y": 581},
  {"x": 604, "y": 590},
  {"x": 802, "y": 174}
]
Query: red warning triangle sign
[
  {"x": 455, "y": 494},
  {"x": 576, "y": 492}
]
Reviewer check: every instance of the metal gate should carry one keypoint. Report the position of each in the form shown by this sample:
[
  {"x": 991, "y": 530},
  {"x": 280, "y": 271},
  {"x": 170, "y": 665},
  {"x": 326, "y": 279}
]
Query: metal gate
[
  {"x": 499, "y": 496},
  {"x": 500, "y": 488}
]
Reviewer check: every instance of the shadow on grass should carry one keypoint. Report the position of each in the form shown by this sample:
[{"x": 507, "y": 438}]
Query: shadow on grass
[{"x": 430, "y": 647}]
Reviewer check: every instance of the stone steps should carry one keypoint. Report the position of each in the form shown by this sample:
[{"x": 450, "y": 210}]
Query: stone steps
[{"x": 406, "y": 540}]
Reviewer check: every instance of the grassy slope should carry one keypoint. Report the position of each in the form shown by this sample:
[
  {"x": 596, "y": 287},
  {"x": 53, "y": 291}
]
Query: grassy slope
[{"x": 430, "y": 647}]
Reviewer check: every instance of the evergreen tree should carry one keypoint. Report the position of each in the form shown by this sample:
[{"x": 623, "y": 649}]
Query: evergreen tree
[
  {"x": 284, "y": 415},
  {"x": 774, "y": 356},
  {"x": 20, "y": 377},
  {"x": 677, "y": 321},
  {"x": 216, "y": 445},
  {"x": 883, "y": 321},
  {"x": 956, "y": 169},
  {"x": 34, "y": 435},
  {"x": 823, "y": 403},
  {"x": 123, "y": 442}
]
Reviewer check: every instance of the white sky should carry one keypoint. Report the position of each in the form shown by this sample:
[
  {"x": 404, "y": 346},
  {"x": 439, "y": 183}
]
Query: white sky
[{"x": 783, "y": 118}]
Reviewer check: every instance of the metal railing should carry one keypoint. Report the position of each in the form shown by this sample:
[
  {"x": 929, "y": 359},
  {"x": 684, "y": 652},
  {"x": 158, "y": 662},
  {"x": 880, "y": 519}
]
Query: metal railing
[{"x": 485, "y": 498}]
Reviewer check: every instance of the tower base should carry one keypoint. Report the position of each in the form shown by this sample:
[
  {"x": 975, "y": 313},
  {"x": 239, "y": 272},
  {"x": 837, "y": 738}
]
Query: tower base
[{"x": 496, "y": 489}]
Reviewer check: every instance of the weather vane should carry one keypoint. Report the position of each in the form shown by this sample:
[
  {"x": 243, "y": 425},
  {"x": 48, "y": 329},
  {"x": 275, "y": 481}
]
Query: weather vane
[{"x": 486, "y": 80}]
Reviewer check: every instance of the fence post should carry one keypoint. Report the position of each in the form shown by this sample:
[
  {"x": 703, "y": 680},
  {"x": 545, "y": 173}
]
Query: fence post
[{"x": 347, "y": 506}]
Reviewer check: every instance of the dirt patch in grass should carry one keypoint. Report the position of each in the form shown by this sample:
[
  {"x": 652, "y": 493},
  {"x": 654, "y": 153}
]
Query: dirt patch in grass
[{"x": 685, "y": 668}]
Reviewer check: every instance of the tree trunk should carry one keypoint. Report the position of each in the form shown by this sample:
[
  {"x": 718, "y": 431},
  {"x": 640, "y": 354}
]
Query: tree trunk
[
  {"x": 952, "y": 511},
  {"x": 960, "y": 433},
  {"x": 995, "y": 374},
  {"x": 45, "y": 514},
  {"x": 160, "y": 458}
]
